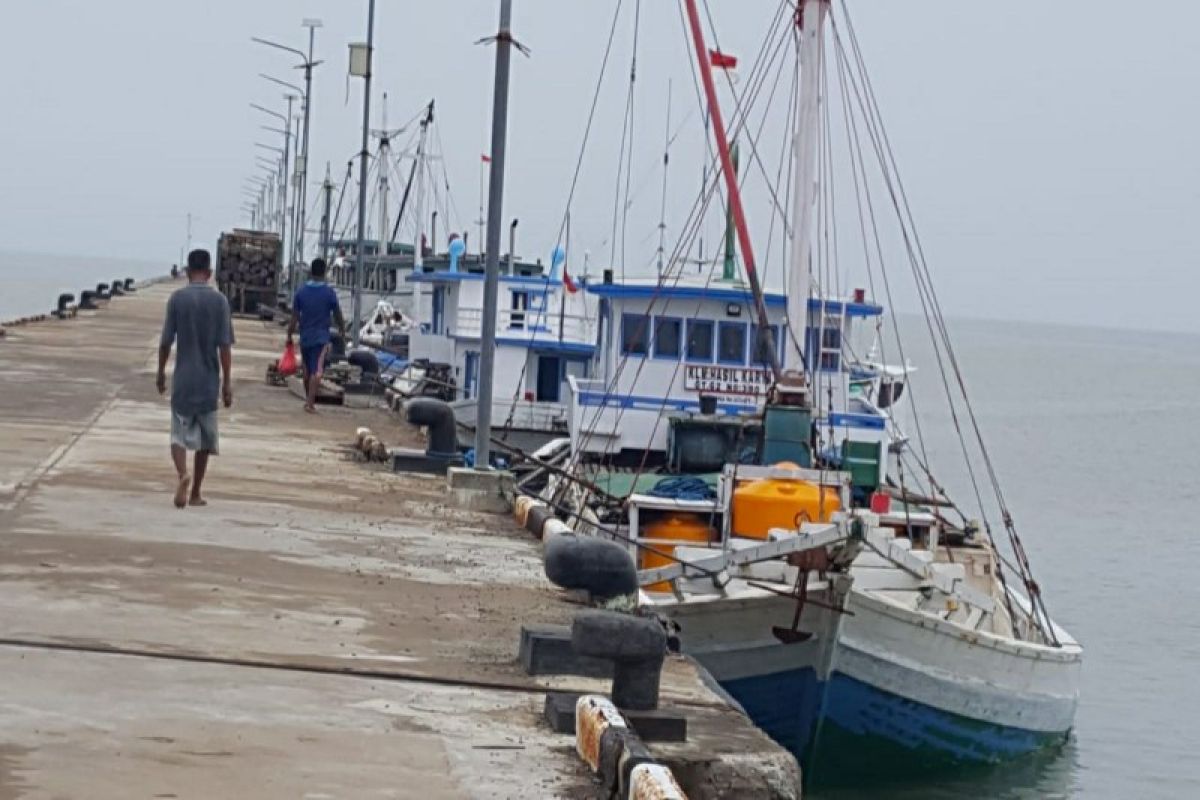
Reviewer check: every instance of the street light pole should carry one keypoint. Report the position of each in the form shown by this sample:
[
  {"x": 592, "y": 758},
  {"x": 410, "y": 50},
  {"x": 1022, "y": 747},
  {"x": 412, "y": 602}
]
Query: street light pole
[
  {"x": 312, "y": 25},
  {"x": 487, "y": 349},
  {"x": 302, "y": 147},
  {"x": 282, "y": 191},
  {"x": 360, "y": 64}
]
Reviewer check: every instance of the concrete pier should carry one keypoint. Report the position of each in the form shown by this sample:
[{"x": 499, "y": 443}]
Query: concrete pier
[{"x": 323, "y": 628}]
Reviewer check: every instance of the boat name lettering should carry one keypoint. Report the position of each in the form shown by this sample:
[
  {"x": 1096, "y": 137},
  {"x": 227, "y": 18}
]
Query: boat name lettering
[{"x": 726, "y": 380}]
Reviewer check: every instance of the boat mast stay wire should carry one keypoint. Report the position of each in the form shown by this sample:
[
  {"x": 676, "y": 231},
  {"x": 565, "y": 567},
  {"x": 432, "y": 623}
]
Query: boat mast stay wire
[
  {"x": 941, "y": 338},
  {"x": 783, "y": 7},
  {"x": 696, "y": 219},
  {"x": 625, "y": 160},
  {"x": 587, "y": 130},
  {"x": 754, "y": 345}
]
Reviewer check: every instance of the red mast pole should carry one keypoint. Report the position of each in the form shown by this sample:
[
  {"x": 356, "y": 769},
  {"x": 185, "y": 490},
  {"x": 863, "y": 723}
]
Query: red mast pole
[{"x": 735, "y": 196}]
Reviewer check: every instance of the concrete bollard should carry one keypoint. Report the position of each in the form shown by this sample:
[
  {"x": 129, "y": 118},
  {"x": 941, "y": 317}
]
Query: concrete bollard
[
  {"x": 521, "y": 506},
  {"x": 635, "y": 645},
  {"x": 594, "y": 716},
  {"x": 614, "y": 752},
  {"x": 537, "y": 518},
  {"x": 653, "y": 782}
]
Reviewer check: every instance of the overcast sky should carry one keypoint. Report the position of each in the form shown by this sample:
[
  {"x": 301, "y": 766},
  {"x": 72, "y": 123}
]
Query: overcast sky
[{"x": 1049, "y": 150}]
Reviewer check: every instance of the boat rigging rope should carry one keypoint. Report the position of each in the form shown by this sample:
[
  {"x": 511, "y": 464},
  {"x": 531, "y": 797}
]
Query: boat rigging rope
[
  {"x": 936, "y": 319},
  {"x": 691, "y": 228},
  {"x": 625, "y": 160},
  {"x": 587, "y": 131},
  {"x": 741, "y": 115}
]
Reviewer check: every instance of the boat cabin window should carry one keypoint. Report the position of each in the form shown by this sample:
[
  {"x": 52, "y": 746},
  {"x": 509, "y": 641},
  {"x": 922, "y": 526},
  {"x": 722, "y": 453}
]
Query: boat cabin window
[
  {"x": 439, "y": 308},
  {"x": 762, "y": 356},
  {"x": 731, "y": 343},
  {"x": 825, "y": 348},
  {"x": 700, "y": 340},
  {"x": 520, "y": 304},
  {"x": 635, "y": 334},
  {"x": 666, "y": 337}
]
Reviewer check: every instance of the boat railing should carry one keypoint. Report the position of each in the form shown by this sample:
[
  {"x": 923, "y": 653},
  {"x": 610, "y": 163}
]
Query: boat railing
[
  {"x": 527, "y": 414},
  {"x": 533, "y": 325}
]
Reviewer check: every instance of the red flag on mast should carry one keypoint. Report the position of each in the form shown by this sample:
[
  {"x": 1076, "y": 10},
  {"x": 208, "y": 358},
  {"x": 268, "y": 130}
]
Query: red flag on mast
[
  {"x": 485, "y": 158},
  {"x": 721, "y": 60}
]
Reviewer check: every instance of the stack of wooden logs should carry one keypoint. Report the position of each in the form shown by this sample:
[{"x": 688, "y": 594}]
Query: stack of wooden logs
[{"x": 248, "y": 266}]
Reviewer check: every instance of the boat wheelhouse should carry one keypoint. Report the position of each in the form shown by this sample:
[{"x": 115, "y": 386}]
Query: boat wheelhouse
[
  {"x": 666, "y": 345},
  {"x": 545, "y": 338}
]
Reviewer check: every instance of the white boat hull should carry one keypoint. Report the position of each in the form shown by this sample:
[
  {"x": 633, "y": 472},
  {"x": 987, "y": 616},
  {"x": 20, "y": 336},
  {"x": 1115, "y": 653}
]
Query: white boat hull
[{"x": 897, "y": 687}]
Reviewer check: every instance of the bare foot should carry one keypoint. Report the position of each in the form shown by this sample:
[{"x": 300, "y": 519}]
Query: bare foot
[
  {"x": 181, "y": 491},
  {"x": 310, "y": 409},
  {"x": 197, "y": 500}
]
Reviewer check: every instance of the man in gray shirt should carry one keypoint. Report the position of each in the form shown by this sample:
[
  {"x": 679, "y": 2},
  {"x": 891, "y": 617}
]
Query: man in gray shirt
[{"x": 198, "y": 320}]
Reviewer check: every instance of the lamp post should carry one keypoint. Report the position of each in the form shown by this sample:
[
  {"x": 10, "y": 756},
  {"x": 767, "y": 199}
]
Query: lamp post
[
  {"x": 269, "y": 173},
  {"x": 307, "y": 63},
  {"x": 491, "y": 277},
  {"x": 360, "y": 66},
  {"x": 287, "y": 138}
]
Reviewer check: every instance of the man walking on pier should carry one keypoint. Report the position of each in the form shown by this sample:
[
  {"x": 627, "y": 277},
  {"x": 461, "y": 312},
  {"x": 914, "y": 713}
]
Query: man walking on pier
[
  {"x": 198, "y": 321},
  {"x": 315, "y": 308}
]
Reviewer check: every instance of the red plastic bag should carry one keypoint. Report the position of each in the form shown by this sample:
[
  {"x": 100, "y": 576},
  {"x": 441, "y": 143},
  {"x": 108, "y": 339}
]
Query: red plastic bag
[{"x": 287, "y": 362}]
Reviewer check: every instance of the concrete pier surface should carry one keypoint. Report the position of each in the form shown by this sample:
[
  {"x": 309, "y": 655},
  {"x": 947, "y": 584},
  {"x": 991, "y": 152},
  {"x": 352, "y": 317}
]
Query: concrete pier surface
[{"x": 323, "y": 628}]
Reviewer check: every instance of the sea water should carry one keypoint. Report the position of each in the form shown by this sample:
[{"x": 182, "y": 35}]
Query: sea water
[
  {"x": 1096, "y": 442},
  {"x": 30, "y": 283}
]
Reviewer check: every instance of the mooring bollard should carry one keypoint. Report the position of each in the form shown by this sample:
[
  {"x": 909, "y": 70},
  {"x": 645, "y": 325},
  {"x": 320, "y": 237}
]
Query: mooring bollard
[
  {"x": 63, "y": 310},
  {"x": 600, "y": 567},
  {"x": 635, "y": 645},
  {"x": 87, "y": 300}
]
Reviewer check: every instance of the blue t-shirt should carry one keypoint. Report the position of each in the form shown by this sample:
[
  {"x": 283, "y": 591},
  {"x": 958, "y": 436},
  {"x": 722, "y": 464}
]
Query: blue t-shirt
[{"x": 315, "y": 303}]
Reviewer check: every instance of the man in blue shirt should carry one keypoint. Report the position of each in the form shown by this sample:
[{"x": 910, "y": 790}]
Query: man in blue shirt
[{"x": 315, "y": 308}]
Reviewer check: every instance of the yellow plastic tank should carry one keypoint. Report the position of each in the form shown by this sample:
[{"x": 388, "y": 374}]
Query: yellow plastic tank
[
  {"x": 760, "y": 505},
  {"x": 659, "y": 534}
]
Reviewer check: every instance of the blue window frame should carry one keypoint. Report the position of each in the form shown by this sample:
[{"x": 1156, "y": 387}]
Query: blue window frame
[
  {"x": 667, "y": 335},
  {"x": 758, "y": 352},
  {"x": 700, "y": 340},
  {"x": 635, "y": 334},
  {"x": 731, "y": 343}
]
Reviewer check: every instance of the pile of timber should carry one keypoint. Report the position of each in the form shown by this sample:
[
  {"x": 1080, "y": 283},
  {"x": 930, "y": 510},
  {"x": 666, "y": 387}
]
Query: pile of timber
[{"x": 248, "y": 265}]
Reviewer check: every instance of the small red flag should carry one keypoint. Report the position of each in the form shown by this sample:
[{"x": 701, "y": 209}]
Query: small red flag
[
  {"x": 721, "y": 60},
  {"x": 485, "y": 158},
  {"x": 567, "y": 282}
]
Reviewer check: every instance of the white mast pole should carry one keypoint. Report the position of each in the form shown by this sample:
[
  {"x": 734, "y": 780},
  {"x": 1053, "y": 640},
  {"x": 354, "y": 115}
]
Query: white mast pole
[
  {"x": 384, "y": 162},
  {"x": 799, "y": 285}
]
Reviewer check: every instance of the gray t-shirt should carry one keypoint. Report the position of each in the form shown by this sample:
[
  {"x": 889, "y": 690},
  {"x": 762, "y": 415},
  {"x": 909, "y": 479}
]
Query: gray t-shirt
[{"x": 198, "y": 321}]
